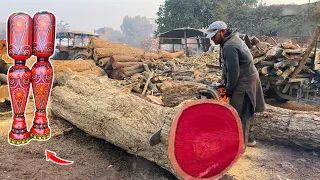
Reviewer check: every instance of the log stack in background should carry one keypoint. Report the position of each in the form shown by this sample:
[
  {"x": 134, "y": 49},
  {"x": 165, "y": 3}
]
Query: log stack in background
[
  {"x": 122, "y": 66},
  {"x": 281, "y": 60},
  {"x": 166, "y": 81},
  {"x": 121, "y": 61}
]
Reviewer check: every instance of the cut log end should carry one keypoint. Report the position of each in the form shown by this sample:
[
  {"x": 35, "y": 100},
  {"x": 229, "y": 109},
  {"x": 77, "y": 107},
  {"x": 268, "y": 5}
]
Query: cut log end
[{"x": 209, "y": 150}]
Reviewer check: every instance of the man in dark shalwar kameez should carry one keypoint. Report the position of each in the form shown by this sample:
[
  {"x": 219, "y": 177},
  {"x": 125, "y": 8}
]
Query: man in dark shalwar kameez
[{"x": 243, "y": 86}]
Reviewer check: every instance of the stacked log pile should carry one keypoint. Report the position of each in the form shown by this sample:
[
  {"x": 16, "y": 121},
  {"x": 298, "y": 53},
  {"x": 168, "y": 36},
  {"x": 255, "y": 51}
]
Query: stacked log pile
[
  {"x": 121, "y": 61},
  {"x": 122, "y": 66},
  {"x": 281, "y": 60},
  {"x": 167, "y": 82}
]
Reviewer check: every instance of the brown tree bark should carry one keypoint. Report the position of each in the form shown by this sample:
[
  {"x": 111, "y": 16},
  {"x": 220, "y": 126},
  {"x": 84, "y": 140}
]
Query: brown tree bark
[
  {"x": 125, "y": 120},
  {"x": 118, "y": 65},
  {"x": 104, "y": 61},
  {"x": 289, "y": 127},
  {"x": 125, "y": 58}
]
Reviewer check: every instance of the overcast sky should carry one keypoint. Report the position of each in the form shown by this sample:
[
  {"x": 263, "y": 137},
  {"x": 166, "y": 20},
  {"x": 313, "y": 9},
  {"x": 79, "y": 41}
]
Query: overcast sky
[{"x": 87, "y": 15}]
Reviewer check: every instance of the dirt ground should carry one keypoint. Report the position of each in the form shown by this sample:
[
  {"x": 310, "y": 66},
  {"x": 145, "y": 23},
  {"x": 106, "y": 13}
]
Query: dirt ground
[{"x": 97, "y": 159}]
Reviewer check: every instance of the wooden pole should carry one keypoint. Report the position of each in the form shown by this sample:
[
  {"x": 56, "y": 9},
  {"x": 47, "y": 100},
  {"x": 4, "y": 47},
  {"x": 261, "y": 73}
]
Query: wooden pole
[{"x": 308, "y": 51}]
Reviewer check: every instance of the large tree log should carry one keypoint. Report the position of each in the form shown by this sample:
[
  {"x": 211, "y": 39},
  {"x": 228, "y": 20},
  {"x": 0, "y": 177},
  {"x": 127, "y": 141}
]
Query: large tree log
[
  {"x": 153, "y": 56},
  {"x": 134, "y": 67},
  {"x": 125, "y": 58},
  {"x": 190, "y": 148},
  {"x": 99, "y": 43},
  {"x": 99, "y": 53},
  {"x": 122, "y": 73},
  {"x": 73, "y": 65},
  {"x": 127, "y": 121},
  {"x": 289, "y": 127},
  {"x": 118, "y": 65},
  {"x": 166, "y": 54}
]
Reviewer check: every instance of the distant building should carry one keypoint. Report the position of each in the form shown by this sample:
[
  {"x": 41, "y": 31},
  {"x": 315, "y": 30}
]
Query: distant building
[{"x": 104, "y": 33}]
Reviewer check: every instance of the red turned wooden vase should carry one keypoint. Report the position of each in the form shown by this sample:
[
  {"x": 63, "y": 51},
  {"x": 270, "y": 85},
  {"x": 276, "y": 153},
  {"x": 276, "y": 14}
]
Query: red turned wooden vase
[
  {"x": 19, "y": 39},
  {"x": 42, "y": 71},
  {"x": 205, "y": 140}
]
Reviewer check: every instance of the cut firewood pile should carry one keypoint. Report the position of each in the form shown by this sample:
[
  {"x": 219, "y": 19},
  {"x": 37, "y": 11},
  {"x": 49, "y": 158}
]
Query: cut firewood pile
[
  {"x": 281, "y": 60},
  {"x": 121, "y": 61},
  {"x": 167, "y": 81}
]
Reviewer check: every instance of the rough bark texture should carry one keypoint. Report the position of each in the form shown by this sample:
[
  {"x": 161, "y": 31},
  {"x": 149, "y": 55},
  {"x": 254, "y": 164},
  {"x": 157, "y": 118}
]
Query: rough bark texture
[
  {"x": 118, "y": 65},
  {"x": 166, "y": 54},
  {"x": 125, "y": 58},
  {"x": 296, "y": 128},
  {"x": 81, "y": 67},
  {"x": 106, "y": 112},
  {"x": 154, "y": 56},
  {"x": 106, "y": 52}
]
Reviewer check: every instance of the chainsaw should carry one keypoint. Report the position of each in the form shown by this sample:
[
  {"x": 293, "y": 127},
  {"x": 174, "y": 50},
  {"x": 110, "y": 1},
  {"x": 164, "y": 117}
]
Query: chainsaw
[{"x": 214, "y": 91}]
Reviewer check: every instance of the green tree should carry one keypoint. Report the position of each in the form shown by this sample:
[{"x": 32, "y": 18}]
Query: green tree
[
  {"x": 198, "y": 13},
  {"x": 184, "y": 13},
  {"x": 248, "y": 16},
  {"x": 135, "y": 29}
]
